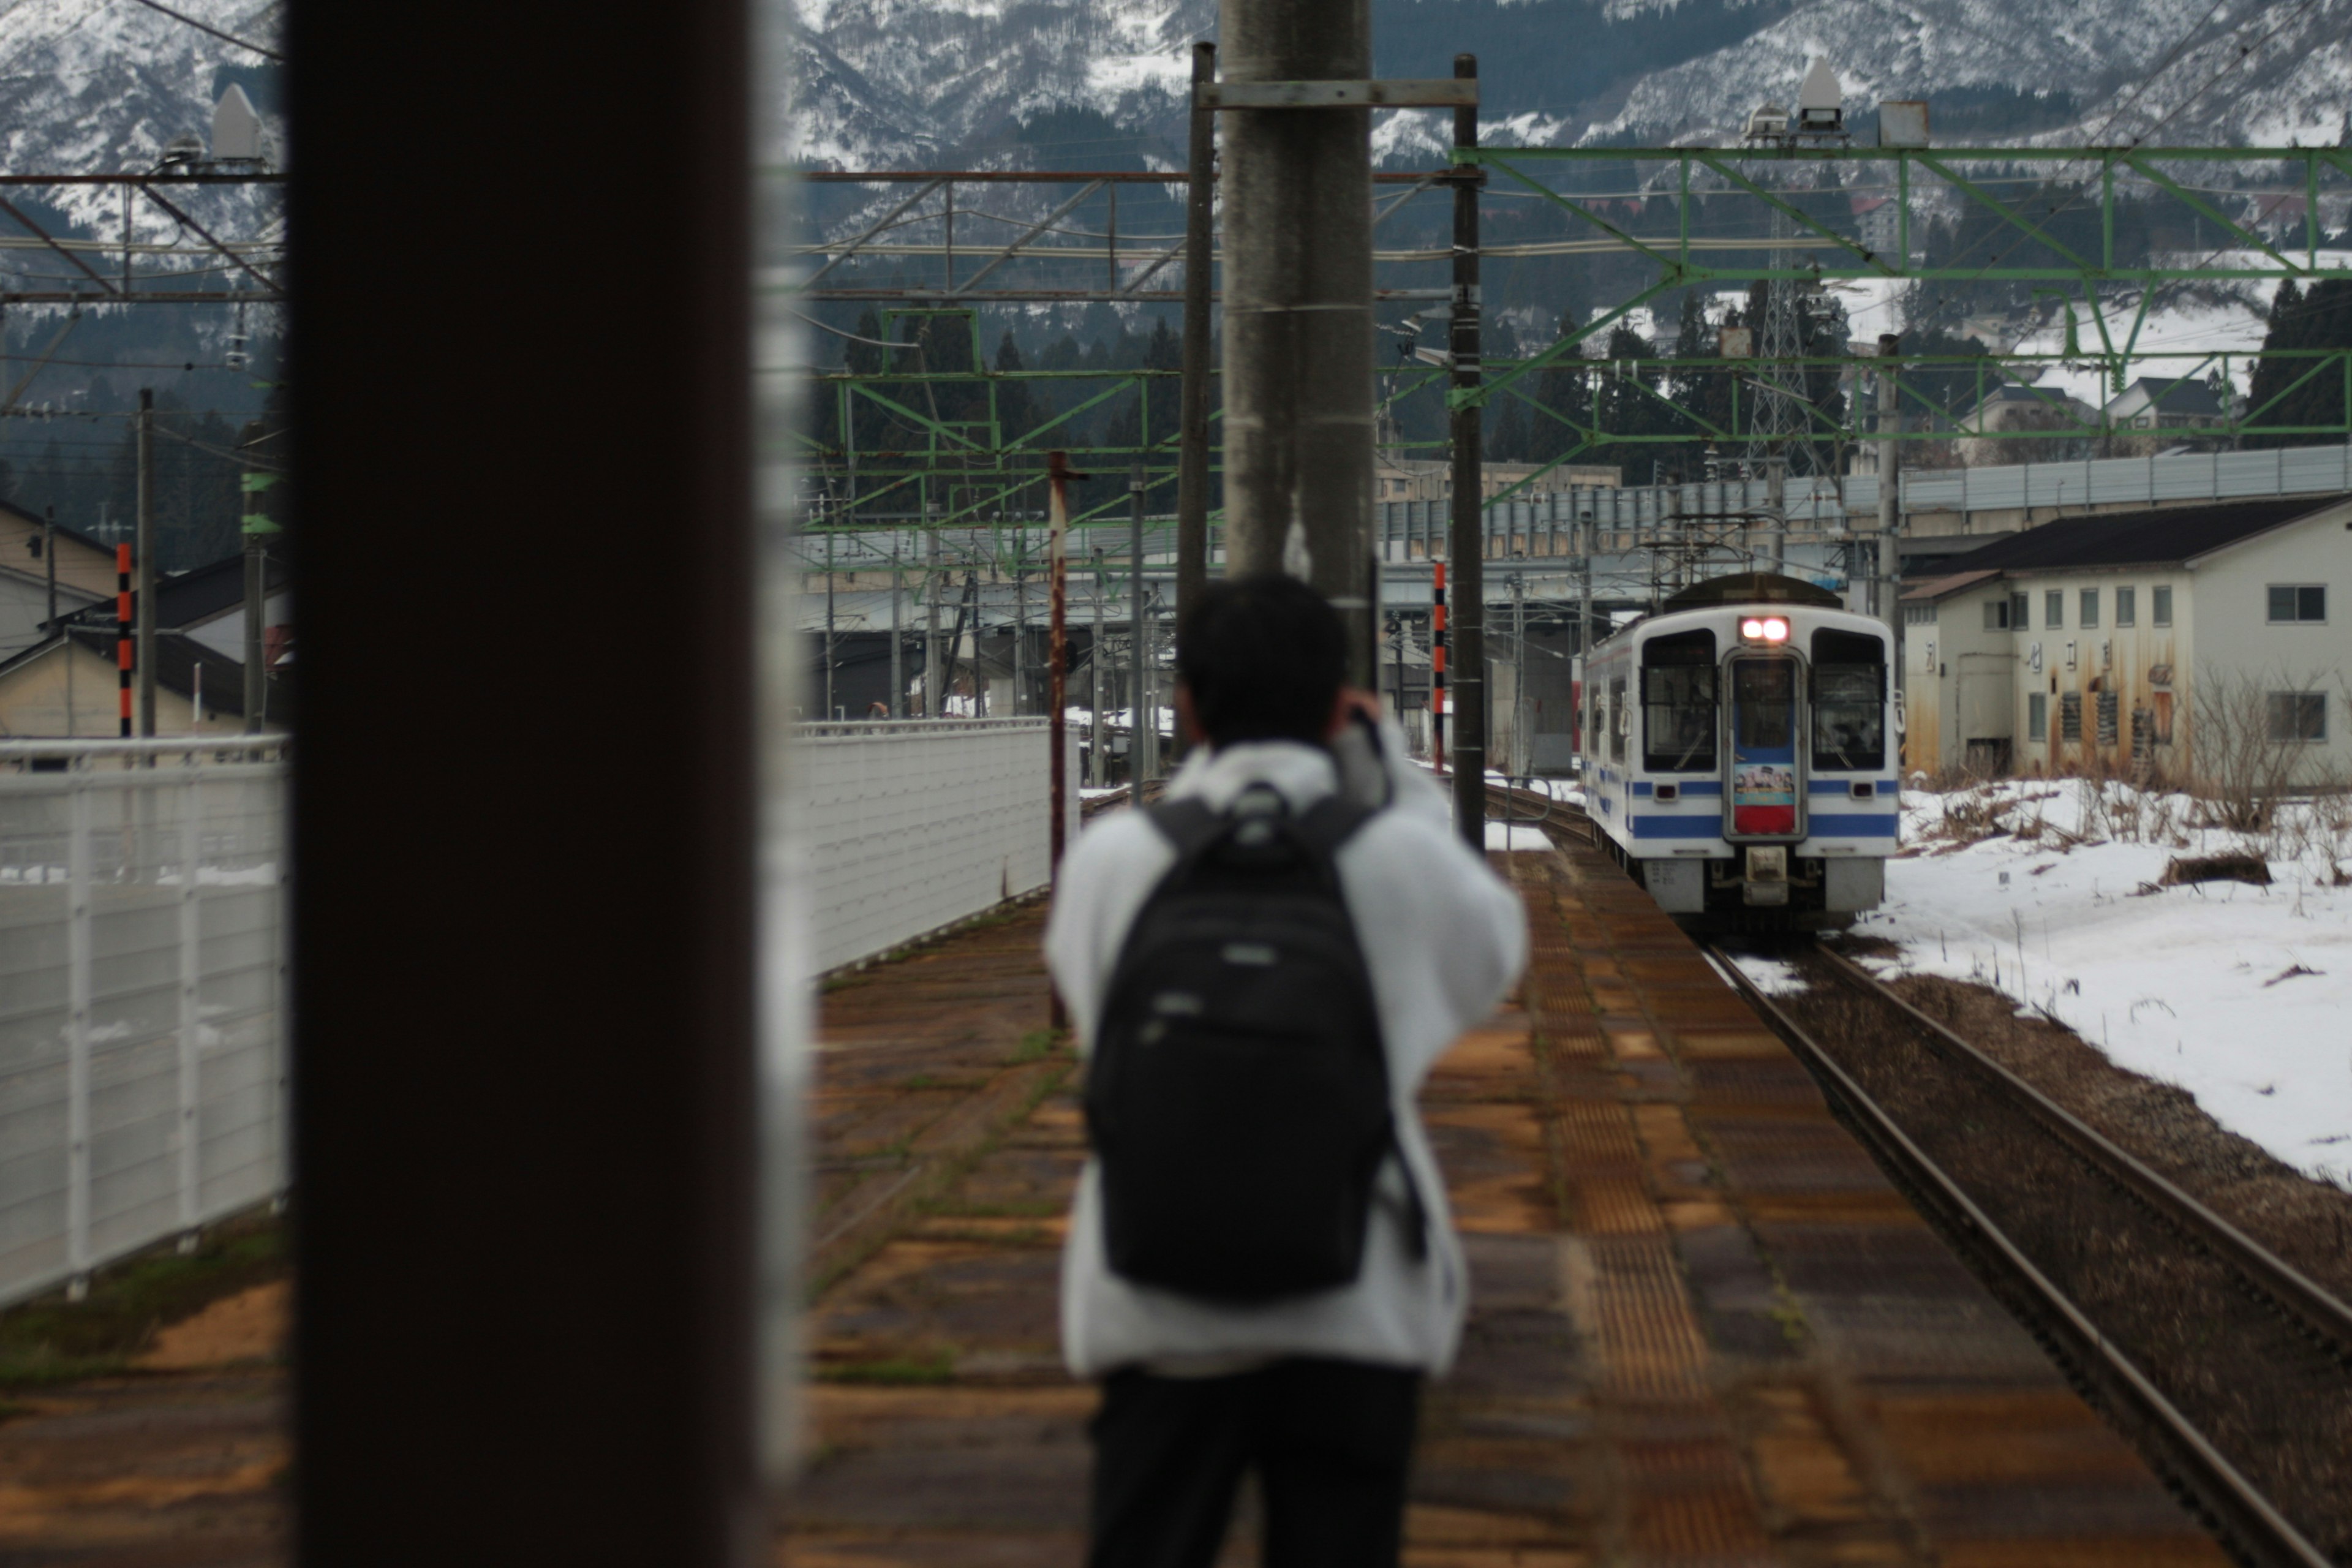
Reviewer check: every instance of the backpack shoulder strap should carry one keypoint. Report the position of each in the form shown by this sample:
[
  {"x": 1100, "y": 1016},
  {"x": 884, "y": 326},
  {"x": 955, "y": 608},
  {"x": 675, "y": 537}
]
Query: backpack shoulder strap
[
  {"x": 1190, "y": 824},
  {"x": 1331, "y": 822}
]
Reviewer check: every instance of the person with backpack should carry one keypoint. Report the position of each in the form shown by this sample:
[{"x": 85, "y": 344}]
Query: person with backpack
[{"x": 1261, "y": 1268}]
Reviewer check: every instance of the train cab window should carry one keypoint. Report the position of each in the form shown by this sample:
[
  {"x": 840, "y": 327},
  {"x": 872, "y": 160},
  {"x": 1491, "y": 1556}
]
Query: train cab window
[
  {"x": 1763, "y": 702},
  {"x": 1849, "y": 701},
  {"x": 1678, "y": 703}
]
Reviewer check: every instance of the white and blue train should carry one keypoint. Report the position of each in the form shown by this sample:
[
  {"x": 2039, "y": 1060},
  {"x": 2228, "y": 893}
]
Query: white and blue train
[{"x": 1740, "y": 755}]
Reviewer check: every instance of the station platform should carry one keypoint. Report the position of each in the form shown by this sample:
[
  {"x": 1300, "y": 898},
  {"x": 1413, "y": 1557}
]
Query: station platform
[{"x": 1704, "y": 1328}]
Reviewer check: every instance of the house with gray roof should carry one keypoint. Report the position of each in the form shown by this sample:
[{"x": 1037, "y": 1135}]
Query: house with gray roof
[{"x": 2080, "y": 646}]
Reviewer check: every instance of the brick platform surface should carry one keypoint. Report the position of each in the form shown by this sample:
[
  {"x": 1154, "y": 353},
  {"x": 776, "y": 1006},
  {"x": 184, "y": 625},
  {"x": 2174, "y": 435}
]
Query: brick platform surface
[{"x": 1704, "y": 1328}]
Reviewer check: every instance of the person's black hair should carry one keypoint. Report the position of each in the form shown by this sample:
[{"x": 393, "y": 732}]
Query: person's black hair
[{"x": 1264, "y": 658}]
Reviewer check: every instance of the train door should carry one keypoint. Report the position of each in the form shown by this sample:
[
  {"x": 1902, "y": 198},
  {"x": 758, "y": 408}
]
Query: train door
[{"x": 1764, "y": 783}]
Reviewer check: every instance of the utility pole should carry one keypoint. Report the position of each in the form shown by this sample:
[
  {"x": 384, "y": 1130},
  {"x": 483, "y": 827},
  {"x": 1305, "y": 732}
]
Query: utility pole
[
  {"x": 898, "y": 703},
  {"x": 1192, "y": 428},
  {"x": 932, "y": 691},
  {"x": 1143, "y": 727},
  {"x": 1298, "y": 308},
  {"x": 1468, "y": 545},
  {"x": 146, "y": 590},
  {"x": 1097, "y": 773},
  {"x": 829, "y": 712},
  {"x": 1020, "y": 615},
  {"x": 49, "y": 558},
  {"x": 1057, "y": 525},
  {"x": 1890, "y": 421},
  {"x": 1522, "y": 748},
  {"x": 256, "y": 529}
]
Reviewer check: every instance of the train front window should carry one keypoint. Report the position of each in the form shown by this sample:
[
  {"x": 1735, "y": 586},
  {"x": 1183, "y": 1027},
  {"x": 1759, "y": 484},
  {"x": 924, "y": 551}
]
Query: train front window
[
  {"x": 1678, "y": 703},
  {"x": 1849, "y": 703},
  {"x": 1763, "y": 697}
]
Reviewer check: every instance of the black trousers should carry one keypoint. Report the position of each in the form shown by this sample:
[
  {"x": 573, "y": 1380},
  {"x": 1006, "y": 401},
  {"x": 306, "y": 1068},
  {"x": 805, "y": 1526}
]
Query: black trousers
[{"x": 1330, "y": 1441}]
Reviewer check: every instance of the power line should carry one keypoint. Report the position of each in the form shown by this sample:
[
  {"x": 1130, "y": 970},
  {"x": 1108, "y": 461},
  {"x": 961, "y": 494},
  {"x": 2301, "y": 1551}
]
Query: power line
[{"x": 208, "y": 28}]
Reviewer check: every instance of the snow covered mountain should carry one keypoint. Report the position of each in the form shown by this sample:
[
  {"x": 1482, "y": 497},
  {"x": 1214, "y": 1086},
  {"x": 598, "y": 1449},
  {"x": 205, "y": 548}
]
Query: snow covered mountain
[
  {"x": 907, "y": 81},
  {"x": 99, "y": 85},
  {"x": 2259, "y": 72}
]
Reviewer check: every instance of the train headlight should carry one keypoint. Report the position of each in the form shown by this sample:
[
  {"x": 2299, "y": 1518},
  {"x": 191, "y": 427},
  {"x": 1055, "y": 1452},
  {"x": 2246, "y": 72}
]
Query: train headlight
[{"x": 1764, "y": 628}]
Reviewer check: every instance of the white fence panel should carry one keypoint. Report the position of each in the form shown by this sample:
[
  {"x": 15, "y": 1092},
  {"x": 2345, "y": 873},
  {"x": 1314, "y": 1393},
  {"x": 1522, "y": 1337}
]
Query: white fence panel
[
  {"x": 143, "y": 997},
  {"x": 908, "y": 825}
]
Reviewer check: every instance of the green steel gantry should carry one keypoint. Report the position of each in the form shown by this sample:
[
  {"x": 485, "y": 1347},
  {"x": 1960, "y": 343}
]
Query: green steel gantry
[{"x": 2060, "y": 241}]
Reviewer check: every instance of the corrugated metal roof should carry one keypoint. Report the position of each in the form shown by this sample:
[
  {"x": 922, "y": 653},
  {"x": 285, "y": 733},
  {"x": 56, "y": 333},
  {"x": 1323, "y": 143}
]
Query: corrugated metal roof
[{"x": 2163, "y": 537}]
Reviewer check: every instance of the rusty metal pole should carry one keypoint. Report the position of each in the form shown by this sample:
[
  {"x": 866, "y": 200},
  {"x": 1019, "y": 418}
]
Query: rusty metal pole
[
  {"x": 1298, "y": 308},
  {"x": 1193, "y": 429},
  {"x": 1057, "y": 533},
  {"x": 1469, "y": 543}
]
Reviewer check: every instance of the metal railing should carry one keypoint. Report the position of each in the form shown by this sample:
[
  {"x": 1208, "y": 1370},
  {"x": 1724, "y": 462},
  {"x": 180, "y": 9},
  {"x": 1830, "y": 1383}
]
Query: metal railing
[{"x": 142, "y": 996}]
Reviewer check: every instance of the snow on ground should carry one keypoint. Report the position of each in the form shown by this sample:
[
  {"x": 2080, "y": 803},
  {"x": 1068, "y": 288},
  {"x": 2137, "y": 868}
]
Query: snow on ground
[
  {"x": 1515, "y": 835},
  {"x": 1773, "y": 976},
  {"x": 2239, "y": 994}
]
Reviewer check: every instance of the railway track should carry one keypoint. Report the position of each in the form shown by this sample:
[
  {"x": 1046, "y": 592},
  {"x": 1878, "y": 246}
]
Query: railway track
[{"x": 2232, "y": 1368}]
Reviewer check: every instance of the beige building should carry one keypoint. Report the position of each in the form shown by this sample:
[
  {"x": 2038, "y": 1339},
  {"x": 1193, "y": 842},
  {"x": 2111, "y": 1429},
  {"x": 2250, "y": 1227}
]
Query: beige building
[
  {"x": 69, "y": 688},
  {"x": 85, "y": 575},
  {"x": 2081, "y": 644}
]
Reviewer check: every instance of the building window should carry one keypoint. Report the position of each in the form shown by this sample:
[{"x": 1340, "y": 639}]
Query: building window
[
  {"x": 2108, "y": 717},
  {"x": 2090, "y": 607},
  {"x": 2298, "y": 716},
  {"x": 2037, "y": 717},
  {"x": 2159, "y": 605},
  {"x": 2017, "y": 611},
  {"x": 1919, "y": 615},
  {"x": 2298, "y": 602},
  {"x": 2127, "y": 606},
  {"x": 2070, "y": 718},
  {"x": 1996, "y": 614},
  {"x": 2054, "y": 609}
]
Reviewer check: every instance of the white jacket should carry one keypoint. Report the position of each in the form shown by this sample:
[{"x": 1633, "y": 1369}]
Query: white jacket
[{"x": 1444, "y": 939}]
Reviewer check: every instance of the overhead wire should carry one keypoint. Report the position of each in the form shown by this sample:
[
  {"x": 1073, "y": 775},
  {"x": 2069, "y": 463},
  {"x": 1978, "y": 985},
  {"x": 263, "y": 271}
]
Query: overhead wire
[{"x": 208, "y": 28}]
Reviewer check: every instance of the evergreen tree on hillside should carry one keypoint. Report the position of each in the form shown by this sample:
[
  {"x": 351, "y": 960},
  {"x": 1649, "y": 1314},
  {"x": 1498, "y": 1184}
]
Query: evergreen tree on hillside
[
  {"x": 2303, "y": 391},
  {"x": 1017, "y": 415}
]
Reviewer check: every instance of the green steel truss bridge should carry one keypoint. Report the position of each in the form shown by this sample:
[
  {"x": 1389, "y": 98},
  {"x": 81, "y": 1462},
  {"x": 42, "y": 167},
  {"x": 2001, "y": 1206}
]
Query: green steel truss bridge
[{"x": 2091, "y": 243}]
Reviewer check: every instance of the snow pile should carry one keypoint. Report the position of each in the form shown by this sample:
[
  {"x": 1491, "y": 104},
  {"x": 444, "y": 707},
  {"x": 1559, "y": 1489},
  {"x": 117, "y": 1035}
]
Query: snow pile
[{"x": 2056, "y": 893}]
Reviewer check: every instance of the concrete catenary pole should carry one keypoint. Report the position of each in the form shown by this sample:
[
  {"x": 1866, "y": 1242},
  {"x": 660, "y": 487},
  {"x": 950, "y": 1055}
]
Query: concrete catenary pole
[
  {"x": 1096, "y": 654},
  {"x": 146, "y": 565},
  {"x": 898, "y": 703},
  {"x": 1890, "y": 418},
  {"x": 1192, "y": 425},
  {"x": 933, "y": 691},
  {"x": 1057, "y": 533},
  {"x": 1298, "y": 309},
  {"x": 49, "y": 560},
  {"x": 1468, "y": 543},
  {"x": 257, "y": 531},
  {"x": 1143, "y": 709}
]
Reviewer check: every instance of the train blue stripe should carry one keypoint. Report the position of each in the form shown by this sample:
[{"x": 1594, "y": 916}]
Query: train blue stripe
[
  {"x": 1857, "y": 824},
  {"x": 1710, "y": 826},
  {"x": 1822, "y": 825}
]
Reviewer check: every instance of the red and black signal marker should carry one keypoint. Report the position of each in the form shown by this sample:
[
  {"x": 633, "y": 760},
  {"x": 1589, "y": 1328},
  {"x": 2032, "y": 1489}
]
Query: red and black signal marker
[{"x": 123, "y": 618}]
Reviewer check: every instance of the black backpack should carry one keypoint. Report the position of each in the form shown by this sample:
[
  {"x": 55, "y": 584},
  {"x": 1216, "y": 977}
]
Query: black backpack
[{"x": 1238, "y": 1090}]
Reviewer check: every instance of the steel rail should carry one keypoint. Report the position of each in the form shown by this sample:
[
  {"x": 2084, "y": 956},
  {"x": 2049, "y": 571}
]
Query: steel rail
[
  {"x": 2232, "y": 1500},
  {"x": 2277, "y": 1279}
]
